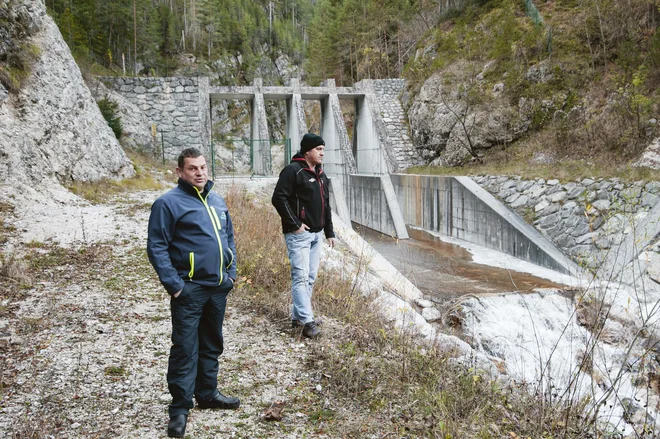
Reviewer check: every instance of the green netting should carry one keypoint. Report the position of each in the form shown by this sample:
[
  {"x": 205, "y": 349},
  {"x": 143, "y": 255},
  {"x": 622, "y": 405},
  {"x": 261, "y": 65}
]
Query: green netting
[
  {"x": 251, "y": 145},
  {"x": 533, "y": 12},
  {"x": 535, "y": 15}
]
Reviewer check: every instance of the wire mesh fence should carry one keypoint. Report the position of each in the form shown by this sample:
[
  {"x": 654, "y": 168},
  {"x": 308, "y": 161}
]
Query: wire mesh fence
[{"x": 249, "y": 156}]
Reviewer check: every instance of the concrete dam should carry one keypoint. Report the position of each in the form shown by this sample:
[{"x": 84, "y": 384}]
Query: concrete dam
[{"x": 367, "y": 186}]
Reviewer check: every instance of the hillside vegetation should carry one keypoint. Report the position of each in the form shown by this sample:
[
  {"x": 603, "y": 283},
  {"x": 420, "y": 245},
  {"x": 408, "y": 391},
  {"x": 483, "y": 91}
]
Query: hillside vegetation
[{"x": 586, "y": 72}]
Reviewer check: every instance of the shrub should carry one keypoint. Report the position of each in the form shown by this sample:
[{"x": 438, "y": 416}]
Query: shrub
[
  {"x": 109, "y": 110},
  {"x": 16, "y": 68}
]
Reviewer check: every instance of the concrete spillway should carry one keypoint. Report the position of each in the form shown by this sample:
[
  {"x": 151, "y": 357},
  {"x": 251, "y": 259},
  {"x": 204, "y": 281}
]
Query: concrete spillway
[
  {"x": 443, "y": 270},
  {"x": 452, "y": 206}
]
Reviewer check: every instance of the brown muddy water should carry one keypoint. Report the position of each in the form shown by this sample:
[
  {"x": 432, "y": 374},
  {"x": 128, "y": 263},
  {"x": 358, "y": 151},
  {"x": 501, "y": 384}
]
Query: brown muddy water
[{"x": 445, "y": 271}]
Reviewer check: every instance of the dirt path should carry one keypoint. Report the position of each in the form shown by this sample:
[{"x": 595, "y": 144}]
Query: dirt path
[{"x": 84, "y": 338}]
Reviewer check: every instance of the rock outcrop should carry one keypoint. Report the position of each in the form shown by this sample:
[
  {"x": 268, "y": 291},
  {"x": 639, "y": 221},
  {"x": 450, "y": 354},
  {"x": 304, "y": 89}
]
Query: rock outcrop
[
  {"x": 650, "y": 158},
  {"x": 452, "y": 120},
  {"x": 52, "y": 128}
]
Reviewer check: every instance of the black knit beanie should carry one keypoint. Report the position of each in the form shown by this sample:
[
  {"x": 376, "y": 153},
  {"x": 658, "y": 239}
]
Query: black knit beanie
[{"x": 309, "y": 142}]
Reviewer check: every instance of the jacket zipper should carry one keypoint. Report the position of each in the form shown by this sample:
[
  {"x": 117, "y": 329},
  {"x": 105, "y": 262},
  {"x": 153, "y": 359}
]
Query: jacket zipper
[
  {"x": 216, "y": 226},
  {"x": 318, "y": 177}
]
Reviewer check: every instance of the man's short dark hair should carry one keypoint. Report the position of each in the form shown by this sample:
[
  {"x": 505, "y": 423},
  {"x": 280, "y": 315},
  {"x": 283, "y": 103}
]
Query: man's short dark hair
[{"x": 188, "y": 153}]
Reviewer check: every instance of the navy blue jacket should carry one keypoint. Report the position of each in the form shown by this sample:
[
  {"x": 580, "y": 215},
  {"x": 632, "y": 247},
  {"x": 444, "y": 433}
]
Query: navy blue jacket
[
  {"x": 191, "y": 238},
  {"x": 301, "y": 196}
]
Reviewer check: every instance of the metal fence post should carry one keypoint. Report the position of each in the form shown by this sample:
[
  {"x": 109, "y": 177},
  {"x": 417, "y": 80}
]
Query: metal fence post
[{"x": 252, "y": 154}]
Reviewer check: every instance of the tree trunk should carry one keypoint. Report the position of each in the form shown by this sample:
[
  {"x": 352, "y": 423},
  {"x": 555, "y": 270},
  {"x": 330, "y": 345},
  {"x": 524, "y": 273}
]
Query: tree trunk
[{"x": 135, "y": 37}]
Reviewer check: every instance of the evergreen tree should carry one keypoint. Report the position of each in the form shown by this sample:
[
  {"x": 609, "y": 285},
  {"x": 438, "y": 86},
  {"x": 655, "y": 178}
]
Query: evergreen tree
[{"x": 102, "y": 31}]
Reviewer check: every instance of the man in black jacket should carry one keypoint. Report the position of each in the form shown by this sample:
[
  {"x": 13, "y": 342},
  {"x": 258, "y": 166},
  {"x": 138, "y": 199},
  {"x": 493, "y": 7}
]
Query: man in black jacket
[{"x": 301, "y": 198}]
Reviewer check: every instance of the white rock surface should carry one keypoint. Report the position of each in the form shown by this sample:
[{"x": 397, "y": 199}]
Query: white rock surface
[
  {"x": 651, "y": 156},
  {"x": 431, "y": 314},
  {"x": 539, "y": 340},
  {"x": 53, "y": 128}
]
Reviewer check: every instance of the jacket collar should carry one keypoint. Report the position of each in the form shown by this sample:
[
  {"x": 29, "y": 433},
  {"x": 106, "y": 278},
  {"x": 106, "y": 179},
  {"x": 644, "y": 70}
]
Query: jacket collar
[
  {"x": 192, "y": 190},
  {"x": 298, "y": 158}
]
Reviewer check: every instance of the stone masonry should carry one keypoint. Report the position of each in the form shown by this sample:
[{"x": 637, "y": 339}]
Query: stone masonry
[
  {"x": 387, "y": 93},
  {"x": 584, "y": 218},
  {"x": 178, "y": 108}
]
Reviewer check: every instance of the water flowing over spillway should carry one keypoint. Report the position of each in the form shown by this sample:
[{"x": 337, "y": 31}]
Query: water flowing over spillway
[
  {"x": 442, "y": 270},
  {"x": 535, "y": 324}
]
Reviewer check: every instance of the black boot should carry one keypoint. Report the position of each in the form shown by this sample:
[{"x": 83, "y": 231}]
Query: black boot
[
  {"x": 296, "y": 323},
  {"x": 219, "y": 402},
  {"x": 177, "y": 426}
]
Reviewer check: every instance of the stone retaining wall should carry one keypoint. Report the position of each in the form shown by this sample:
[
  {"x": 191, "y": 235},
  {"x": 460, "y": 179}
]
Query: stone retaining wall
[
  {"x": 387, "y": 92},
  {"x": 584, "y": 218},
  {"x": 178, "y": 107}
]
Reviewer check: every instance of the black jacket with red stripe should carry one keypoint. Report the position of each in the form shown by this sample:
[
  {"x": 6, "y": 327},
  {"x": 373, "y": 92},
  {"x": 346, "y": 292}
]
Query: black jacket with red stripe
[{"x": 301, "y": 196}]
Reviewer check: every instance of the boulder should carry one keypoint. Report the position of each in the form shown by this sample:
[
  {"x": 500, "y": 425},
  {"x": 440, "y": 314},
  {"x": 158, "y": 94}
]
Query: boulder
[{"x": 651, "y": 156}]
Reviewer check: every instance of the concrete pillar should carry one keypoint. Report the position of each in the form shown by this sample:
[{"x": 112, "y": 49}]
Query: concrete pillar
[
  {"x": 393, "y": 205},
  {"x": 370, "y": 158},
  {"x": 296, "y": 126},
  {"x": 262, "y": 163},
  {"x": 338, "y": 201},
  {"x": 338, "y": 160}
]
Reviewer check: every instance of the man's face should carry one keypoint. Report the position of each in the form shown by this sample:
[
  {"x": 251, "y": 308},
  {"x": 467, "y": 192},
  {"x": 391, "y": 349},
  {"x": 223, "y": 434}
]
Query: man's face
[
  {"x": 315, "y": 155},
  {"x": 194, "y": 171}
]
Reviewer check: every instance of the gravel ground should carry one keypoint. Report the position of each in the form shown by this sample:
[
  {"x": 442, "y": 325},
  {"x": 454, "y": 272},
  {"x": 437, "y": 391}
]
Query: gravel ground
[{"x": 84, "y": 336}]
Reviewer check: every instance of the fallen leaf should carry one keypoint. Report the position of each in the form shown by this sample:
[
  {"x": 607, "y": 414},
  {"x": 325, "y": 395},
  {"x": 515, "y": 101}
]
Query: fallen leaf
[{"x": 274, "y": 412}]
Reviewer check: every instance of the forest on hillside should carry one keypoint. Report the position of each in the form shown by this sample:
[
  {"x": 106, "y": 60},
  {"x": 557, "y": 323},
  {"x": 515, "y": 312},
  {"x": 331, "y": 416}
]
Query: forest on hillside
[
  {"x": 349, "y": 40},
  {"x": 147, "y": 36}
]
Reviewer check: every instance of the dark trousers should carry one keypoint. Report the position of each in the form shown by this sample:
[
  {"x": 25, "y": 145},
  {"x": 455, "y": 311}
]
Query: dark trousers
[{"x": 197, "y": 317}]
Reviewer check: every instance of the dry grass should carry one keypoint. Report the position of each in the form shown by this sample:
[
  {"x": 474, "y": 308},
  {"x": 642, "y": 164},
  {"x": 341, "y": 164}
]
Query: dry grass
[
  {"x": 383, "y": 383},
  {"x": 149, "y": 175},
  {"x": 518, "y": 160},
  {"x": 14, "y": 275}
]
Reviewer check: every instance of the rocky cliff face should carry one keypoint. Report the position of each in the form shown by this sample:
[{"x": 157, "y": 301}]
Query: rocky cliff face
[
  {"x": 51, "y": 128},
  {"x": 457, "y": 114},
  {"x": 455, "y": 117}
]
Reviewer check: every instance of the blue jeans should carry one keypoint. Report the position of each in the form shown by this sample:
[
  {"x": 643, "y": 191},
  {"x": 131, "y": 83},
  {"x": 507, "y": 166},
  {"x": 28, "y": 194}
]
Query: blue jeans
[
  {"x": 304, "y": 253},
  {"x": 197, "y": 317}
]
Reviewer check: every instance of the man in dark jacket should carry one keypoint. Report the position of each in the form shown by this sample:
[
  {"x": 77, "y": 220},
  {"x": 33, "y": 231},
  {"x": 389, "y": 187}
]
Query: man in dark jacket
[
  {"x": 191, "y": 246},
  {"x": 301, "y": 198}
]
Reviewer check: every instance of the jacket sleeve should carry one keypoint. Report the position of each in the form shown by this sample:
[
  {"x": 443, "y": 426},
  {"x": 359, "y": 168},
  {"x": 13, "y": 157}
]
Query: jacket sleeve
[
  {"x": 286, "y": 185},
  {"x": 231, "y": 271},
  {"x": 160, "y": 233},
  {"x": 328, "y": 229}
]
